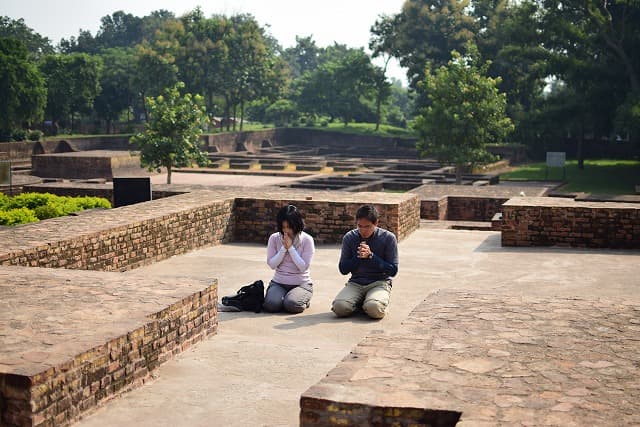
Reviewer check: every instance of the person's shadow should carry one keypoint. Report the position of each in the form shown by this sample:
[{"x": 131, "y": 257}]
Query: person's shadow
[{"x": 304, "y": 320}]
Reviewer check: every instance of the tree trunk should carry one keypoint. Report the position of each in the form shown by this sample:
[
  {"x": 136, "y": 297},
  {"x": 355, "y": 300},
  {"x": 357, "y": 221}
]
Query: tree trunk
[
  {"x": 459, "y": 167},
  {"x": 169, "y": 173},
  {"x": 241, "y": 114},
  {"x": 379, "y": 97},
  {"x": 235, "y": 114},
  {"x": 579, "y": 147}
]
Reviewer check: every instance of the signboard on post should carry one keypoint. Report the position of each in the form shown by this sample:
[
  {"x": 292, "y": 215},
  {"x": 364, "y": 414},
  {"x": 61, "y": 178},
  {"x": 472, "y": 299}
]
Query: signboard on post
[{"x": 556, "y": 159}]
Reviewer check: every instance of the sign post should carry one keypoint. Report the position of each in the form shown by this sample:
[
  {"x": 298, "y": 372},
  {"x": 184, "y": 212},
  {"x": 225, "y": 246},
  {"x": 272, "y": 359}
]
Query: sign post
[
  {"x": 556, "y": 159},
  {"x": 5, "y": 175}
]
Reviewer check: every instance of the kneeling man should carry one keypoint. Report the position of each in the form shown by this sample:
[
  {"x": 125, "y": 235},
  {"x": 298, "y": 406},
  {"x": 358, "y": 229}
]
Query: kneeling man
[{"x": 370, "y": 255}]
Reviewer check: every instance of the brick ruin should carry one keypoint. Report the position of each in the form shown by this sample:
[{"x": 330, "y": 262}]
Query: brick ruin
[{"x": 52, "y": 377}]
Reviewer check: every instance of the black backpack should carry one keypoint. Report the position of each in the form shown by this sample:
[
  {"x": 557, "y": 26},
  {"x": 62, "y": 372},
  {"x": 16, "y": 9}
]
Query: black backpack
[{"x": 248, "y": 298}]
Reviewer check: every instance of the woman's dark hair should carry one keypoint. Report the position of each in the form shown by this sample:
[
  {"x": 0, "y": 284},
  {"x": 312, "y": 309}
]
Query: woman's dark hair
[
  {"x": 292, "y": 215},
  {"x": 367, "y": 212}
]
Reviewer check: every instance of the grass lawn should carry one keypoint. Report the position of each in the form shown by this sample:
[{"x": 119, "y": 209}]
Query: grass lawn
[
  {"x": 356, "y": 128},
  {"x": 598, "y": 176}
]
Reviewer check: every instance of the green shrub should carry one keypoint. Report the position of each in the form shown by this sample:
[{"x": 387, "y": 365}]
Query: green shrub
[
  {"x": 19, "y": 135},
  {"x": 17, "y": 216},
  {"x": 30, "y": 200},
  {"x": 88, "y": 202},
  {"x": 44, "y": 206},
  {"x": 4, "y": 200},
  {"x": 34, "y": 135},
  {"x": 48, "y": 211}
]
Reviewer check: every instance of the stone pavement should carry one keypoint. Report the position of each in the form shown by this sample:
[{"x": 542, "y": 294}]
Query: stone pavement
[
  {"x": 253, "y": 372},
  {"x": 477, "y": 359}
]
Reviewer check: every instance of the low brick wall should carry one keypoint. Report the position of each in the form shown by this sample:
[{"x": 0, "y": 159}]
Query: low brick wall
[
  {"x": 327, "y": 220},
  {"x": 461, "y": 208},
  {"x": 87, "y": 165},
  {"x": 551, "y": 221},
  {"x": 123, "y": 238},
  {"x": 71, "y": 363}
]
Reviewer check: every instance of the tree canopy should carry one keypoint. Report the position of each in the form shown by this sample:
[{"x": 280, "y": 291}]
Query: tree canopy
[
  {"x": 172, "y": 134},
  {"x": 465, "y": 113},
  {"x": 22, "y": 88}
]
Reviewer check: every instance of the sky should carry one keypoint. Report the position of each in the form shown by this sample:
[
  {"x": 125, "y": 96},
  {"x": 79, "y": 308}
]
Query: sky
[{"x": 328, "y": 21}]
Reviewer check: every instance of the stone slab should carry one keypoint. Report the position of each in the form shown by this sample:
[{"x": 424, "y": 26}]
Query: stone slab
[{"x": 492, "y": 359}]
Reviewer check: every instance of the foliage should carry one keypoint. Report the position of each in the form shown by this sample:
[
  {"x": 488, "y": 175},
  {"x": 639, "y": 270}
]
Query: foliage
[
  {"x": 281, "y": 112},
  {"x": 22, "y": 88},
  {"x": 73, "y": 82},
  {"x": 340, "y": 87},
  {"x": 35, "y": 44},
  {"x": 605, "y": 176},
  {"x": 172, "y": 134},
  {"x": 117, "y": 92},
  {"x": 465, "y": 113},
  {"x": 31, "y": 207}
]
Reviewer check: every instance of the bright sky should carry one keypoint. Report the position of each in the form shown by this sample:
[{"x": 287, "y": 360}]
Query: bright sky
[{"x": 328, "y": 21}]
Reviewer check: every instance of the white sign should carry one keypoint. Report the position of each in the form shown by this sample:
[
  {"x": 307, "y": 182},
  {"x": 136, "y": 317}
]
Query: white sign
[{"x": 556, "y": 159}]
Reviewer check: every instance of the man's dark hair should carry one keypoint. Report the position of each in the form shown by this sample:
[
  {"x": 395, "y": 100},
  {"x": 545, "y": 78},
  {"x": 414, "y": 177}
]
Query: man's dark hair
[
  {"x": 292, "y": 215},
  {"x": 368, "y": 212}
]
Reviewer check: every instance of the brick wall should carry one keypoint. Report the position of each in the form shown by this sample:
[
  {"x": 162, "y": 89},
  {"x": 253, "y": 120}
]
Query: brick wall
[
  {"x": 326, "y": 220},
  {"x": 66, "y": 390},
  {"x": 327, "y": 413},
  {"x": 551, "y": 221},
  {"x": 461, "y": 208},
  {"x": 141, "y": 238}
]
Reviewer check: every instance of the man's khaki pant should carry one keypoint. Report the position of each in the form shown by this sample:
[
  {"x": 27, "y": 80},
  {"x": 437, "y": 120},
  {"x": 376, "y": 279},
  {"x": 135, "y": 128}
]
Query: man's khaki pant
[{"x": 373, "y": 298}]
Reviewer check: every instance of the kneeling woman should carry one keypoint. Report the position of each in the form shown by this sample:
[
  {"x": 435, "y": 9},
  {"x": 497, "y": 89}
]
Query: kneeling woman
[{"x": 289, "y": 253}]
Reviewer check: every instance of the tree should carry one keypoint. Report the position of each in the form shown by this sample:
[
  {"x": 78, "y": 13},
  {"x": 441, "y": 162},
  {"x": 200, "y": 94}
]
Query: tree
[
  {"x": 343, "y": 86},
  {"x": 35, "y": 44},
  {"x": 302, "y": 57},
  {"x": 172, "y": 133},
  {"x": 73, "y": 82},
  {"x": 466, "y": 112},
  {"x": 22, "y": 87},
  {"x": 117, "y": 90},
  {"x": 426, "y": 31}
]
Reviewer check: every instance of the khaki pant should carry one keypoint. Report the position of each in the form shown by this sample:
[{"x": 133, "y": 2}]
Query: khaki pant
[{"x": 373, "y": 298}]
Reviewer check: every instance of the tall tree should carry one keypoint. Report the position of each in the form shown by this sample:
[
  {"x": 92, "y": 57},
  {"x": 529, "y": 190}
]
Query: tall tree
[
  {"x": 73, "y": 82},
  {"x": 302, "y": 57},
  {"x": 466, "y": 112},
  {"x": 117, "y": 94},
  {"x": 341, "y": 87},
  {"x": 22, "y": 87},
  {"x": 172, "y": 133},
  {"x": 35, "y": 44},
  {"x": 426, "y": 31}
]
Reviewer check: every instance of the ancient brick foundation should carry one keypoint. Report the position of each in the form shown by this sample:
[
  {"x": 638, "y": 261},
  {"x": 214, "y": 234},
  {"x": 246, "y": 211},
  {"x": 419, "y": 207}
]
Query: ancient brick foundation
[
  {"x": 461, "y": 208},
  {"x": 550, "y": 221},
  {"x": 62, "y": 375},
  {"x": 55, "y": 383},
  {"x": 327, "y": 220},
  {"x": 476, "y": 359}
]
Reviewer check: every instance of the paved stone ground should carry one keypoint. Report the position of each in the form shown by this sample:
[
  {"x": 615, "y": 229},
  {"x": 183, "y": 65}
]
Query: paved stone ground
[
  {"x": 255, "y": 370},
  {"x": 500, "y": 360},
  {"x": 502, "y": 190}
]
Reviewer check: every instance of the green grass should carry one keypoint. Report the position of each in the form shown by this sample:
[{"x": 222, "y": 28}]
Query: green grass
[
  {"x": 367, "y": 129},
  {"x": 598, "y": 176},
  {"x": 353, "y": 128}
]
